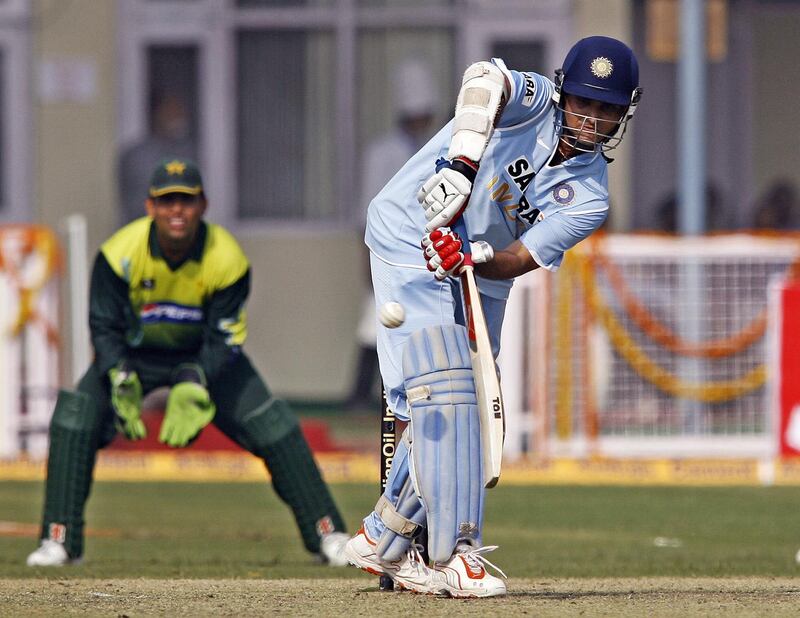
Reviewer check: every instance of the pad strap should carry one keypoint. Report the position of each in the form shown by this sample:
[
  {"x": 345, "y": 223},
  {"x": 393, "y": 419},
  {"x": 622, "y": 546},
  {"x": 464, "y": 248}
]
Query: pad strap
[{"x": 394, "y": 520}]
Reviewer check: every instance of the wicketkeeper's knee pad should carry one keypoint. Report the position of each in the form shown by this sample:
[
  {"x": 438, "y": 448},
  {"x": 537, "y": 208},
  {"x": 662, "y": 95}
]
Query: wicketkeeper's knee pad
[
  {"x": 446, "y": 462},
  {"x": 268, "y": 424},
  {"x": 399, "y": 507}
]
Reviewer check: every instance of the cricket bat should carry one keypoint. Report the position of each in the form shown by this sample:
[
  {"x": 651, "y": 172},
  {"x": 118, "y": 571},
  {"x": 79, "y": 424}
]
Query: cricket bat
[{"x": 487, "y": 384}]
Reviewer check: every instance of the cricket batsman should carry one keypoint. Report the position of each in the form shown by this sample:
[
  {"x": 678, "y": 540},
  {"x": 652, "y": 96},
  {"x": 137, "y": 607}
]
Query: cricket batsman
[
  {"x": 524, "y": 162},
  {"x": 167, "y": 308}
]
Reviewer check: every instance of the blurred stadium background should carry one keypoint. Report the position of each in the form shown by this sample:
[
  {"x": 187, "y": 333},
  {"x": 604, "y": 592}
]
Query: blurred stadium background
[{"x": 652, "y": 357}]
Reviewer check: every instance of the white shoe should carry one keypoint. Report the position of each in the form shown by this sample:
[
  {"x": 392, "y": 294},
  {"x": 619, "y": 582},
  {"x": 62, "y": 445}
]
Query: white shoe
[
  {"x": 409, "y": 573},
  {"x": 464, "y": 575},
  {"x": 50, "y": 553},
  {"x": 331, "y": 548},
  {"x": 360, "y": 552}
]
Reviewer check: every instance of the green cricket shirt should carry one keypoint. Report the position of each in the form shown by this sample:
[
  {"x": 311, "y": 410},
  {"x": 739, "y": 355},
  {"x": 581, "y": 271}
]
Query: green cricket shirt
[{"x": 140, "y": 303}]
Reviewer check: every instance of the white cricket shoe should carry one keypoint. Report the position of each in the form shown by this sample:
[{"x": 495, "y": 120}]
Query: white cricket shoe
[
  {"x": 331, "y": 548},
  {"x": 360, "y": 552},
  {"x": 409, "y": 572},
  {"x": 50, "y": 553},
  {"x": 465, "y": 575}
]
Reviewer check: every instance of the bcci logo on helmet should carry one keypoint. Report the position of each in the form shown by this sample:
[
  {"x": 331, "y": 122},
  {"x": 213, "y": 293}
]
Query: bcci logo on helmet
[{"x": 602, "y": 67}]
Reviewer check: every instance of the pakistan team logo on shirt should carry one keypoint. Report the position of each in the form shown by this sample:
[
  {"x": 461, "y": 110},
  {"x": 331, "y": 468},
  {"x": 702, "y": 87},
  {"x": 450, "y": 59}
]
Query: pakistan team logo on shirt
[
  {"x": 563, "y": 193},
  {"x": 153, "y": 313}
]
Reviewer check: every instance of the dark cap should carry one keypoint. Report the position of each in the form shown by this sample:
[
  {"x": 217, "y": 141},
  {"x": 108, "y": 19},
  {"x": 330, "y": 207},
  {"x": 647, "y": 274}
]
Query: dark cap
[
  {"x": 601, "y": 68},
  {"x": 175, "y": 175}
]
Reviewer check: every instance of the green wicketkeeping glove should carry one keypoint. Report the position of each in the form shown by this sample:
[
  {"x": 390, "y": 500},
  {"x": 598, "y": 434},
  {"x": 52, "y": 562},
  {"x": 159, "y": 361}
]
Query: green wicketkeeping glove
[
  {"x": 126, "y": 399},
  {"x": 189, "y": 409}
]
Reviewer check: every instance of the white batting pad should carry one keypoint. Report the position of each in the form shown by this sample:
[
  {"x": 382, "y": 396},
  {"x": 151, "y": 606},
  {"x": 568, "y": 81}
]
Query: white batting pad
[
  {"x": 399, "y": 508},
  {"x": 445, "y": 436}
]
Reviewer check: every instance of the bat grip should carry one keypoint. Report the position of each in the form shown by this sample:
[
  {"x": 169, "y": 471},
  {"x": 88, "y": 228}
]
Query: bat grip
[{"x": 460, "y": 228}]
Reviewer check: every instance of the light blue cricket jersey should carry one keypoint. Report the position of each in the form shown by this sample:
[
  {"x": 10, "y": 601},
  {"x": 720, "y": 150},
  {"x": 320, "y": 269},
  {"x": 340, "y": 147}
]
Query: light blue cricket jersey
[{"x": 516, "y": 195}]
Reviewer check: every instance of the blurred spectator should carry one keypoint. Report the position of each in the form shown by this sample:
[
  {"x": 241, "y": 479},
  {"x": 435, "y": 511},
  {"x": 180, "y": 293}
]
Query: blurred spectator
[
  {"x": 667, "y": 212},
  {"x": 170, "y": 136},
  {"x": 415, "y": 99},
  {"x": 777, "y": 208}
]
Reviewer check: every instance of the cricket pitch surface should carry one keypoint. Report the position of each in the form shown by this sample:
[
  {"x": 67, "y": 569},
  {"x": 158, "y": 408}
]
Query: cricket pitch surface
[{"x": 663, "y": 596}]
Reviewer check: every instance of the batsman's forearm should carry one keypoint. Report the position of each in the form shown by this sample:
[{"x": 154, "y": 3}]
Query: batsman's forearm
[{"x": 512, "y": 262}]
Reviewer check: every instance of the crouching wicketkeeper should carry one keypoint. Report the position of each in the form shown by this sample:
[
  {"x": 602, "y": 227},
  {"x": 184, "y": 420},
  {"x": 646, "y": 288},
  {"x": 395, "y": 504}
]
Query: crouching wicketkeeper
[{"x": 167, "y": 309}]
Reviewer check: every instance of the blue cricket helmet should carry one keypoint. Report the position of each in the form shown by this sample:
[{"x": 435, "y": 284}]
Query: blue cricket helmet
[{"x": 603, "y": 69}]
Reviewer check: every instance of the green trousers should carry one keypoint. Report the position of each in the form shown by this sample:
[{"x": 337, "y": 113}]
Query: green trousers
[{"x": 247, "y": 413}]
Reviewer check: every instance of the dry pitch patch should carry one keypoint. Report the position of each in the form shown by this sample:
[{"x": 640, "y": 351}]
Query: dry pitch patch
[{"x": 359, "y": 597}]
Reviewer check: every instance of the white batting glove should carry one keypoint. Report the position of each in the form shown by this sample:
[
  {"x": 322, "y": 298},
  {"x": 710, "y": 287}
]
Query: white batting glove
[
  {"x": 482, "y": 252},
  {"x": 444, "y": 195},
  {"x": 443, "y": 255}
]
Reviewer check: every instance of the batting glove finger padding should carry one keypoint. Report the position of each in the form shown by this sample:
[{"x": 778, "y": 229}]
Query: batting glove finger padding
[{"x": 442, "y": 251}]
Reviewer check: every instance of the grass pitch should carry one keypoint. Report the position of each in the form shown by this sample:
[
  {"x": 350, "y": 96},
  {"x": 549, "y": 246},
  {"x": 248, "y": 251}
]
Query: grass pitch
[{"x": 179, "y": 548}]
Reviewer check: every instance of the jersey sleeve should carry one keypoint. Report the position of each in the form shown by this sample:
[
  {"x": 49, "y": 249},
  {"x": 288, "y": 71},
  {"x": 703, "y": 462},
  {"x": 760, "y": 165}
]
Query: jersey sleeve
[
  {"x": 225, "y": 328},
  {"x": 225, "y": 260},
  {"x": 110, "y": 314},
  {"x": 530, "y": 95},
  {"x": 550, "y": 238}
]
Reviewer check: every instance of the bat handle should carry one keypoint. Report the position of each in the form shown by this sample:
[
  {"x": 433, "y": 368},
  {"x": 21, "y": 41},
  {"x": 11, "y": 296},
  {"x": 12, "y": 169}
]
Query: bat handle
[{"x": 460, "y": 228}]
